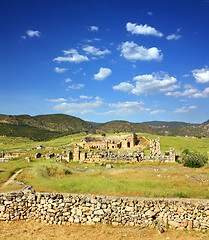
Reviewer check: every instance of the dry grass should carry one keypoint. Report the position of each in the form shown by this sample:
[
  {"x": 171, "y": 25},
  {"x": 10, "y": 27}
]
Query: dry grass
[{"x": 169, "y": 182}]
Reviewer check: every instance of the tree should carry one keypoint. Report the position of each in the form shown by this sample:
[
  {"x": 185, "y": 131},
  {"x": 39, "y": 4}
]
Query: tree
[{"x": 195, "y": 160}]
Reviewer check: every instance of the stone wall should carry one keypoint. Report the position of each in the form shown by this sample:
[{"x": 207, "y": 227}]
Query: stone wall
[{"x": 90, "y": 209}]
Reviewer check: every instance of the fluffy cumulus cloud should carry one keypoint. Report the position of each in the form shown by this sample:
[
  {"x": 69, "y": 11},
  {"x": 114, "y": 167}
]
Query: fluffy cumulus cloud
[
  {"x": 131, "y": 51},
  {"x": 60, "y": 70},
  {"x": 190, "y": 93},
  {"x": 142, "y": 29},
  {"x": 32, "y": 33},
  {"x": 56, "y": 100},
  {"x": 123, "y": 87},
  {"x": 157, "y": 111},
  {"x": 102, "y": 74},
  {"x": 126, "y": 108},
  {"x": 173, "y": 37},
  {"x": 79, "y": 108},
  {"x": 76, "y": 86},
  {"x": 95, "y": 51},
  {"x": 71, "y": 55},
  {"x": 149, "y": 84},
  {"x": 201, "y": 75},
  {"x": 93, "y": 28},
  {"x": 184, "y": 109},
  {"x": 154, "y": 83}
]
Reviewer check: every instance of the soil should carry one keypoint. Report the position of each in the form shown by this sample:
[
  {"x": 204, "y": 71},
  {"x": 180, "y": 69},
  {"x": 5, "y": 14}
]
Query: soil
[{"x": 29, "y": 230}]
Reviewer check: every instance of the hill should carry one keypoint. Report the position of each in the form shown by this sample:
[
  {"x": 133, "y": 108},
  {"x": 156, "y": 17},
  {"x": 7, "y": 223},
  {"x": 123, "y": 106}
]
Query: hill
[
  {"x": 52, "y": 122},
  {"x": 45, "y": 127},
  {"x": 205, "y": 125},
  {"x": 41, "y": 127},
  {"x": 172, "y": 124},
  {"x": 124, "y": 126}
]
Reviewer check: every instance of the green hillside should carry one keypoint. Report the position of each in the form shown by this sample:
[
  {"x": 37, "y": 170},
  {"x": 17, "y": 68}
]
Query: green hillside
[
  {"x": 124, "y": 126},
  {"x": 45, "y": 127},
  {"x": 172, "y": 124}
]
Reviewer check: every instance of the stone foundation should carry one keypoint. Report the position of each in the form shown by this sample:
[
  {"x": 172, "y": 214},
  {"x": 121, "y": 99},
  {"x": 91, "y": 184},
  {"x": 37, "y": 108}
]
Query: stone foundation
[{"x": 90, "y": 209}]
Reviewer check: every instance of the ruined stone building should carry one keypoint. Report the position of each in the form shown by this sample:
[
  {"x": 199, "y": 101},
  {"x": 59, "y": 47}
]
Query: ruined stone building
[
  {"x": 132, "y": 142},
  {"x": 155, "y": 148}
]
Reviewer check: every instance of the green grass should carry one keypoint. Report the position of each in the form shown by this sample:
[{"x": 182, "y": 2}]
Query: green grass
[
  {"x": 44, "y": 175},
  {"x": 144, "y": 183},
  {"x": 179, "y": 143}
]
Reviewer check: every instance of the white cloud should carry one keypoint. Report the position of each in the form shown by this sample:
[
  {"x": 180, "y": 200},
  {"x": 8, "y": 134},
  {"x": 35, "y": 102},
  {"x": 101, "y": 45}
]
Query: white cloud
[
  {"x": 56, "y": 100},
  {"x": 76, "y": 86},
  {"x": 191, "y": 93},
  {"x": 201, "y": 75},
  {"x": 184, "y": 109},
  {"x": 32, "y": 33},
  {"x": 123, "y": 87},
  {"x": 132, "y": 51},
  {"x": 67, "y": 80},
  {"x": 126, "y": 108},
  {"x": 154, "y": 83},
  {"x": 95, "y": 51},
  {"x": 85, "y": 97},
  {"x": 173, "y": 37},
  {"x": 142, "y": 29},
  {"x": 79, "y": 108},
  {"x": 60, "y": 70},
  {"x": 102, "y": 74},
  {"x": 186, "y": 75},
  {"x": 158, "y": 111},
  {"x": 93, "y": 28},
  {"x": 72, "y": 55}
]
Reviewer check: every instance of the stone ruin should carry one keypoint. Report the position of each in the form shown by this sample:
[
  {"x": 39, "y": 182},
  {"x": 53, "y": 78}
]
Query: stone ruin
[
  {"x": 108, "y": 149},
  {"x": 5, "y": 157},
  {"x": 107, "y": 156},
  {"x": 155, "y": 148},
  {"x": 136, "y": 155},
  {"x": 132, "y": 142}
]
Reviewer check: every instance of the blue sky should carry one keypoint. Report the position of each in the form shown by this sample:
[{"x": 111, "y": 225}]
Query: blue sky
[{"x": 106, "y": 60}]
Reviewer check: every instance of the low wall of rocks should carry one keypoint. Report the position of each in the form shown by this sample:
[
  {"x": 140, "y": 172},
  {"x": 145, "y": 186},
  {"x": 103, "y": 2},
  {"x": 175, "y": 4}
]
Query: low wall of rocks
[{"x": 70, "y": 209}]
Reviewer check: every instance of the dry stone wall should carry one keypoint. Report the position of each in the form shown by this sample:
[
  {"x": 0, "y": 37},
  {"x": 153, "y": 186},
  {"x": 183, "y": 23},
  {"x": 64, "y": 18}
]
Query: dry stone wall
[{"x": 90, "y": 209}]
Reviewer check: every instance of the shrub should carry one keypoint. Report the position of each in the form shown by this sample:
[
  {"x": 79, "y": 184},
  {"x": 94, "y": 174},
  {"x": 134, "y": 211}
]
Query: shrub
[
  {"x": 195, "y": 159},
  {"x": 186, "y": 151}
]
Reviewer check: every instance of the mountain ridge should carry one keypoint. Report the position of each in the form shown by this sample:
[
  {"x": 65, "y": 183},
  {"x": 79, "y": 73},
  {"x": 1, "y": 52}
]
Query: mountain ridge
[{"x": 55, "y": 125}]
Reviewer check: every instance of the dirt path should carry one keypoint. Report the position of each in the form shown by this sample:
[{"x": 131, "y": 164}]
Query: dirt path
[
  {"x": 11, "y": 179},
  {"x": 40, "y": 231}
]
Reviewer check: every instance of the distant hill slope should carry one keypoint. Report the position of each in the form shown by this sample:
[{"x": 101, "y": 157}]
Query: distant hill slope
[
  {"x": 172, "y": 124},
  {"x": 36, "y": 134},
  {"x": 205, "y": 125},
  {"x": 124, "y": 126},
  {"x": 44, "y": 127},
  {"x": 62, "y": 122},
  {"x": 52, "y": 122}
]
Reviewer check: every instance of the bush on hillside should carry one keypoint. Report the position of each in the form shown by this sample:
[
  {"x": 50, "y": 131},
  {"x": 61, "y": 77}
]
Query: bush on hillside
[{"x": 195, "y": 159}]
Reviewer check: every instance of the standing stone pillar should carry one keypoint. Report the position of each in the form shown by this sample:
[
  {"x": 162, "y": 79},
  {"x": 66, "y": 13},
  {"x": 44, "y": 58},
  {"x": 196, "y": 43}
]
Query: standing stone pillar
[{"x": 76, "y": 154}]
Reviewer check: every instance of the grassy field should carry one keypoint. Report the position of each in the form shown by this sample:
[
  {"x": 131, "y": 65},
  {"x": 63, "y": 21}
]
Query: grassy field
[
  {"x": 143, "y": 180},
  {"x": 149, "y": 180},
  {"x": 179, "y": 143}
]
